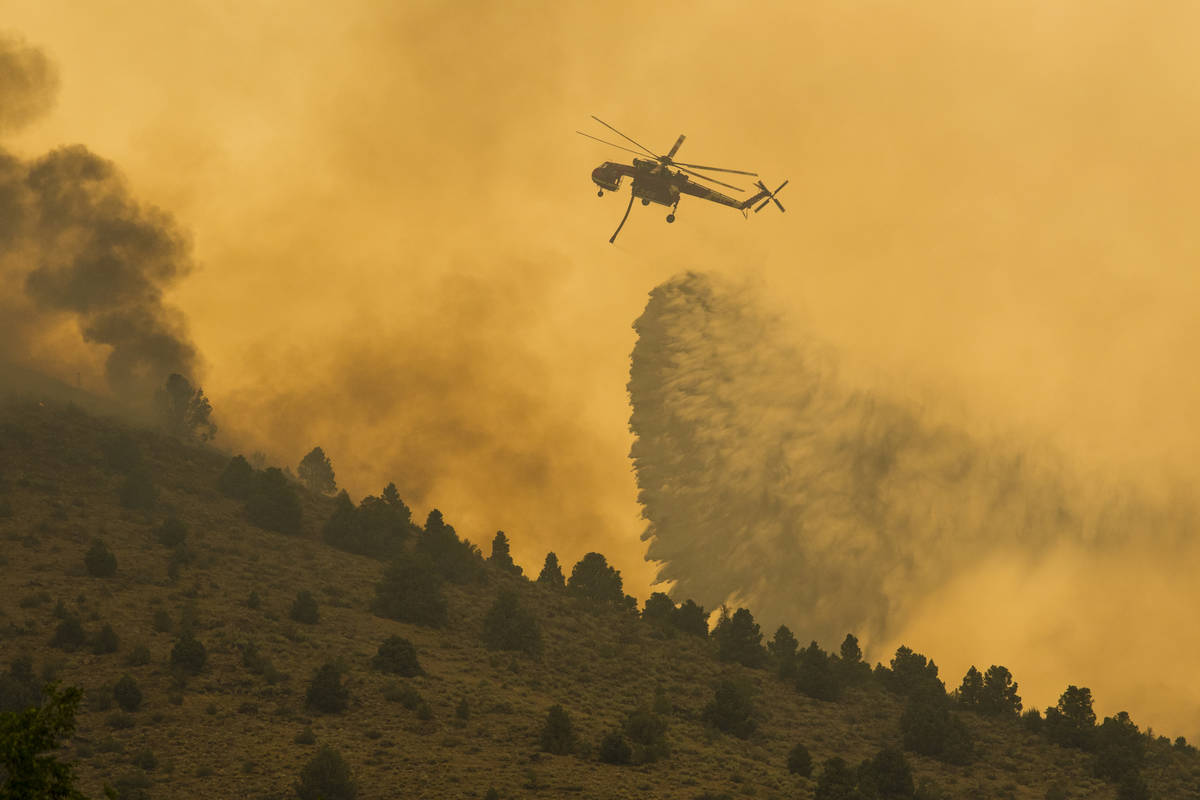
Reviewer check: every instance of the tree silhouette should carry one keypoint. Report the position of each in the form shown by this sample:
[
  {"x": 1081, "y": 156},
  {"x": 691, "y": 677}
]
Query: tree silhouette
[
  {"x": 739, "y": 639},
  {"x": 28, "y": 741},
  {"x": 551, "y": 574},
  {"x": 185, "y": 410},
  {"x": 593, "y": 579},
  {"x": 999, "y": 693},
  {"x": 316, "y": 472},
  {"x": 500, "y": 554}
]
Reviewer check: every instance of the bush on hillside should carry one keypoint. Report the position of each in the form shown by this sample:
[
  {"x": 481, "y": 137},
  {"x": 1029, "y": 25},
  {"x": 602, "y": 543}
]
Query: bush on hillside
[
  {"x": 69, "y": 635},
  {"x": 172, "y": 532},
  {"x": 614, "y": 748},
  {"x": 647, "y": 734},
  {"x": 887, "y": 776},
  {"x": 799, "y": 761},
  {"x": 105, "y": 641},
  {"x": 99, "y": 560},
  {"x": 304, "y": 608},
  {"x": 732, "y": 709},
  {"x": 127, "y": 693},
  {"x": 326, "y": 692},
  {"x": 558, "y": 734},
  {"x": 929, "y": 728},
  {"x": 837, "y": 781},
  {"x": 188, "y": 654},
  {"x": 397, "y": 656},
  {"x": 326, "y": 776}
]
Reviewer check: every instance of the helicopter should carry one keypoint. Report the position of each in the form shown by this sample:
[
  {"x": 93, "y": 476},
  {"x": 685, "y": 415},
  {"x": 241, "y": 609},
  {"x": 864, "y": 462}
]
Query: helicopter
[{"x": 663, "y": 180}]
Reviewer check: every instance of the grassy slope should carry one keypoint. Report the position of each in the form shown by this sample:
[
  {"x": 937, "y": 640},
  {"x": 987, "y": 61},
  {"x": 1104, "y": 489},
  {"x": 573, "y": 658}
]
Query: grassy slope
[{"x": 232, "y": 734}]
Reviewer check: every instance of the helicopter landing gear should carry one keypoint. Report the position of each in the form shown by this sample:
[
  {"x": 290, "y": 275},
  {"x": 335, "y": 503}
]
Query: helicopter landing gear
[
  {"x": 670, "y": 217},
  {"x": 600, "y": 193},
  {"x": 645, "y": 202},
  {"x": 674, "y": 208}
]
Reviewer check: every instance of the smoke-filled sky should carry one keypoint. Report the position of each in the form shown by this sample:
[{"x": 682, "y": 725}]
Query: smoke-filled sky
[{"x": 388, "y": 245}]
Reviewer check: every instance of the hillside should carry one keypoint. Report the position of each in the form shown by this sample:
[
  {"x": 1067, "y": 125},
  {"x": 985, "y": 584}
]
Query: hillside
[{"x": 231, "y": 731}]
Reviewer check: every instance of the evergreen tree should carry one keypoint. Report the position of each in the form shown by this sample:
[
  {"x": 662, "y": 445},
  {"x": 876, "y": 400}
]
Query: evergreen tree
[
  {"x": 851, "y": 668},
  {"x": 647, "y": 733},
  {"x": 456, "y": 560},
  {"x": 594, "y": 580},
  {"x": 558, "y": 734},
  {"x": 508, "y": 626},
  {"x": 127, "y": 693},
  {"x": 783, "y": 645},
  {"x": 1120, "y": 748},
  {"x": 911, "y": 673},
  {"x": 316, "y": 472},
  {"x": 397, "y": 656},
  {"x": 272, "y": 503},
  {"x": 411, "y": 591},
  {"x": 188, "y": 654},
  {"x": 186, "y": 412},
  {"x": 799, "y": 761},
  {"x": 731, "y": 709},
  {"x": 304, "y": 608},
  {"x": 500, "y": 554},
  {"x": 971, "y": 691},
  {"x": 659, "y": 610},
  {"x": 551, "y": 575},
  {"x": 692, "y": 619},
  {"x": 815, "y": 674},
  {"x": 1072, "y": 723},
  {"x": 887, "y": 776},
  {"x": 999, "y": 694},
  {"x": 739, "y": 639},
  {"x": 237, "y": 479},
  {"x": 837, "y": 781}
]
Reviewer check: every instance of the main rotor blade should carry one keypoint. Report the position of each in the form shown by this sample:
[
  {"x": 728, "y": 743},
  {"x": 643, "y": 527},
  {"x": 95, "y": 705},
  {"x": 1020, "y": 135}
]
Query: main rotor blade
[
  {"x": 610, "y": 144},
  {"x": 706, "y": 178},
  {"x": 714, "y": 169},
  {"x": 675, "y": 149},
  {"x": 623, "y": 136}
]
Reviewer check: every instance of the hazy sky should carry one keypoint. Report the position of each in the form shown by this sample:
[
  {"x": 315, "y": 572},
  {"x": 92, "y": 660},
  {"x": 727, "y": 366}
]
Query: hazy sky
[{"x": 400, "y": 256}]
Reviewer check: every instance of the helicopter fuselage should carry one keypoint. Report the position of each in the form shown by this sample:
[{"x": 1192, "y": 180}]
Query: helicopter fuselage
[{"x": 652, "y": 181}]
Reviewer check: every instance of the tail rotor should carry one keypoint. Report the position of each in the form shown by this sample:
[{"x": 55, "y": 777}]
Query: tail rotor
[{"x": 770, "y": 196}]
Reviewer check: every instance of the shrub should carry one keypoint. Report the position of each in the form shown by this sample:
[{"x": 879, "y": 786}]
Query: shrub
[
  {"x": 411, "y": 591},
  {"x": 105, "y": 641},
  {"x": 326, "y": 692},
  {"x": 558, "y": 735},
  {"x": 145, "y": 759},
  {"x": 1032, "y": 721},
  {"x": 188, "y": 654},
  {"x": 731, "y": 710},
  {"x": 397, "y": 656},
  {"x": 647, "y": 733},
  {"x": 614, "y": 748},
  {"x": 316, "y": 472},
  {"x": 172, "y": 532},
  {"x": 253, "y": 601},
  {"x": 739, "y": 639},
  {"x": 304, "y": 608},
  {"x": 272, "y": 503},
  {"x": 100, "y": 561},
  {"x": 69, "y": 635},
  {"x": 139, "y": 656},
  {"x": 594, "y": 580},
  {"x": 305, "y": 736},
  {"x": 551, "y": 574},
  {"x": 463, "y": 710},
  {"x": 508, "y": 626},
  {"x": 162, "y": 621},
  {"x": 326, "y": 777},
  {"x": 237, "y": 480},
  {"x": 799, "y": 761},
  {"x": 127, "y": 694}
]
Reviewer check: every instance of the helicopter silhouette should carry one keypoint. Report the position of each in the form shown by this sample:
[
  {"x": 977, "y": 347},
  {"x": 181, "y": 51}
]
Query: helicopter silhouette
[{"x": 664, "y": 180}]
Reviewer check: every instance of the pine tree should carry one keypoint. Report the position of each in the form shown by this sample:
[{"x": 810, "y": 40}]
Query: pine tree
[
  {"x": 551, "y": 575},
  {"x": 316, "y": 471},
  {"x": 500, "y": 554},
  {"x": 971, "y": 690}
]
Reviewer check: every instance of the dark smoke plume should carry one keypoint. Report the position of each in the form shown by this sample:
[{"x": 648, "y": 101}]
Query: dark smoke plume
[
  {"x": 75, "y": 243},
  {"x": 769, "y": 484}
]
